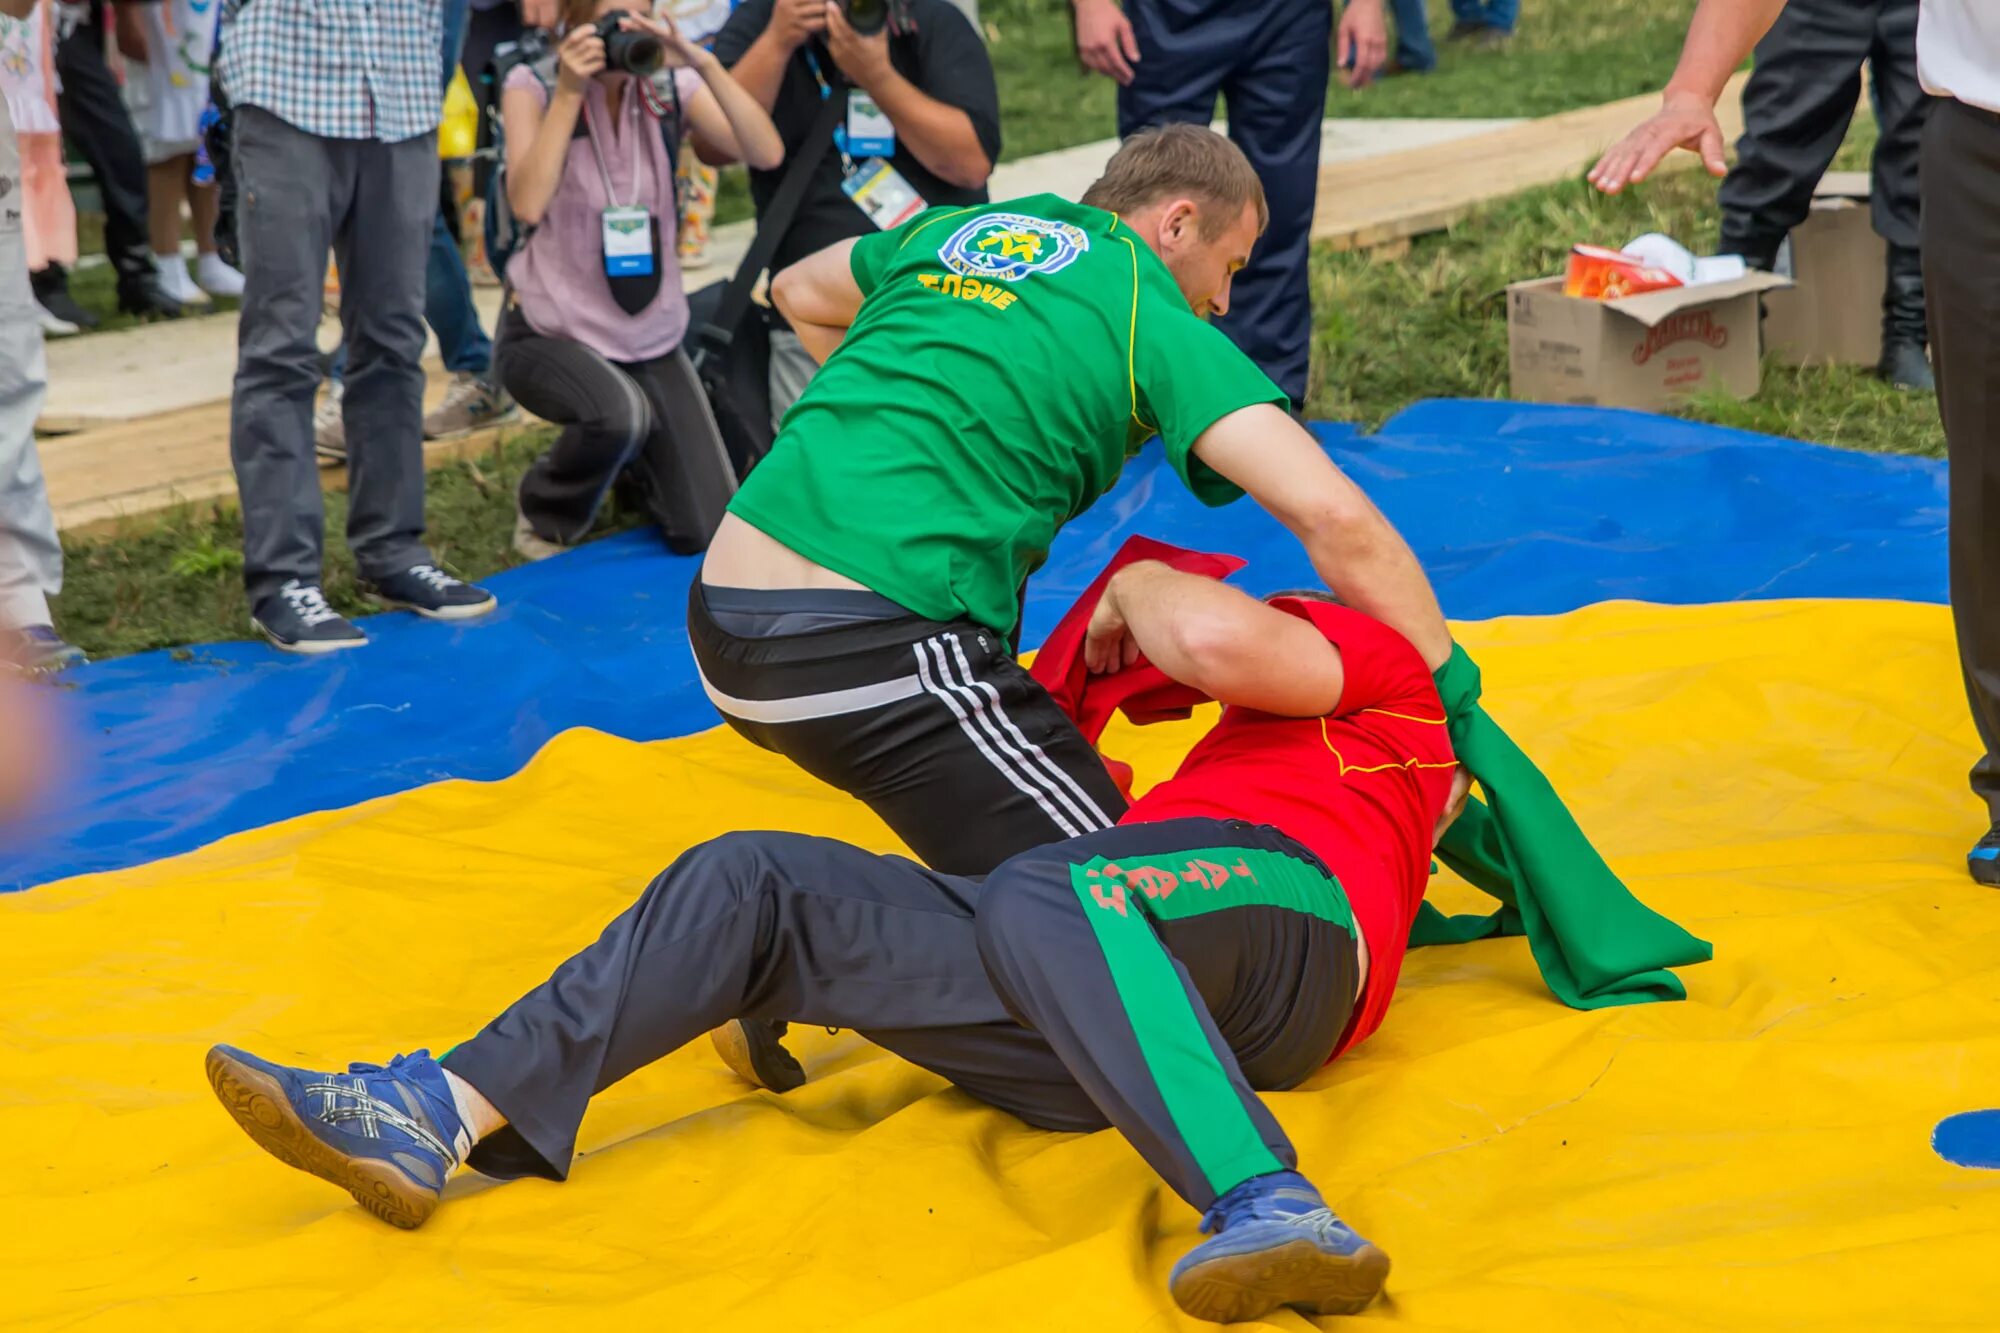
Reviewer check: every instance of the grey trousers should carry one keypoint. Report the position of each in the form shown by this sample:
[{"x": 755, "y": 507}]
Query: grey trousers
[
  {"x": 30, "y": 557},
  {"x": 372, "y": 204},
  {"x": 1050, "y": 991},
  {"x": 792, "y": 368},
  {"x": 1961, "y": 234}
]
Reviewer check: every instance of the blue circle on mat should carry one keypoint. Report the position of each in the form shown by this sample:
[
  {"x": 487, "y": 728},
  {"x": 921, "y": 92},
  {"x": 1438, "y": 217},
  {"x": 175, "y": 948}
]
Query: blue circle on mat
[{"x": 1970, "y": 1139}]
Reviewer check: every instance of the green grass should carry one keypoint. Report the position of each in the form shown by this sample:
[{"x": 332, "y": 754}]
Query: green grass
[{"x": 1388, "y": 332}]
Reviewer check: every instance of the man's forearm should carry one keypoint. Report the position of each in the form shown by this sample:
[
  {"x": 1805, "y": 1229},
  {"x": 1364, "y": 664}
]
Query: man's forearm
[
  {"x": 938, "y": 134},
  {"x": 1369, "y": 566},
  {"x": 761, "y": 71},
  {"x": 1719, "y": 39},
  {"x": 17, "y": 9}
]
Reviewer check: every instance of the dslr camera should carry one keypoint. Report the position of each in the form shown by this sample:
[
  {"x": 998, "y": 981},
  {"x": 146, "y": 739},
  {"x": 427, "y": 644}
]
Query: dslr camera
[{"x": 632, "y": 50}]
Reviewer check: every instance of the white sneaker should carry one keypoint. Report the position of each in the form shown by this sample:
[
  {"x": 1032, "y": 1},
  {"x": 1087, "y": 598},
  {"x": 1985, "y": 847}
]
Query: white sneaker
[
  {"x": 54, "y": 325},
  {"x": 329, "y": 429},
  {"x": 174, "y": 280},
  {"x": 217, "y": 278}
]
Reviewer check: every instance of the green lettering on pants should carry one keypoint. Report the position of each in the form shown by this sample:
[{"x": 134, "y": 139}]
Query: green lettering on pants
[{"x": 1122, "y": 899}]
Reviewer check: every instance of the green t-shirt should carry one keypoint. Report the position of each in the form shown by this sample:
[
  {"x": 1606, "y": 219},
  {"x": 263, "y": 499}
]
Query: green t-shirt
[{"x": 1006, "y": 361}]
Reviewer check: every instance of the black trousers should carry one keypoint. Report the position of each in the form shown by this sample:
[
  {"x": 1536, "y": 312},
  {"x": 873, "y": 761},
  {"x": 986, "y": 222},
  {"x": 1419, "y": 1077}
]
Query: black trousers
[
  {"x": 1961, "y": 176},
  {"x": 94, "y": 119},
  {"x": 1796, "y": 109},
  {"x": 1270, "y": 61},
  {"x": 933, "y": 725},
  {"x": 648, "y": 419},
  {"x": 1149, "y": 977}
]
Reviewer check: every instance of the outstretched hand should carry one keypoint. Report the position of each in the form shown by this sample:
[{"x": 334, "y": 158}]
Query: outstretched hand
[{"x": 1686, "y": 121}]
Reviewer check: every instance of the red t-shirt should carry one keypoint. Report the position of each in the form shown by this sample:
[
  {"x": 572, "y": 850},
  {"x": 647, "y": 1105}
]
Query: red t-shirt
[{"x": 1361, "y": 787}]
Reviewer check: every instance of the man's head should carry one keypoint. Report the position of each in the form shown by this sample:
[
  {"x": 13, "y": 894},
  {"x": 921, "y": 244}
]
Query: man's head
[{"x": 1193, "y": 197}]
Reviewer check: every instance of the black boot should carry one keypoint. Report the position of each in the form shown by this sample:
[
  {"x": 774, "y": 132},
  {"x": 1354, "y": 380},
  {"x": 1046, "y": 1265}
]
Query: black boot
[
  {"x": 51, "y": 286},
  {"x": 139, "y": 290},
  {"x": 1904, "y": 331}
]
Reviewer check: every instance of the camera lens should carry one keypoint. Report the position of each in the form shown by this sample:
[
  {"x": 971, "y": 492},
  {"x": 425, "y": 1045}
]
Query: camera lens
[
  {"x": 866, "y": 17},
  {"x": 629, "y": 50}
]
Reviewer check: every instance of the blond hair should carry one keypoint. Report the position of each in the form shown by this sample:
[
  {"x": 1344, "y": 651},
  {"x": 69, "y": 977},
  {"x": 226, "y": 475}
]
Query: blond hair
[{"x": 1175, "y": 161}]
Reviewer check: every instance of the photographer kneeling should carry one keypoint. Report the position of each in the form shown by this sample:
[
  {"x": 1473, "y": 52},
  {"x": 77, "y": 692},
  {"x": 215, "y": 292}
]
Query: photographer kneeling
[{"x": 591, "y": 334}]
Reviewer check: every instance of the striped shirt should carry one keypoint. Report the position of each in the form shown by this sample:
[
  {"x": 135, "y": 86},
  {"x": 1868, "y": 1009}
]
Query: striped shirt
[{"x": 341, "y": 69}]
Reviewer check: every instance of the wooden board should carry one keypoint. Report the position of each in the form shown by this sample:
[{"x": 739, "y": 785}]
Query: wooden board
[
  {"x": 101, "y": 478},
  {"x": 1372, "y": 201}
]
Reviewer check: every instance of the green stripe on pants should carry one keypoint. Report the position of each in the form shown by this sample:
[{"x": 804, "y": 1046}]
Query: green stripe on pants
[{"x": 1122, "y": 898}]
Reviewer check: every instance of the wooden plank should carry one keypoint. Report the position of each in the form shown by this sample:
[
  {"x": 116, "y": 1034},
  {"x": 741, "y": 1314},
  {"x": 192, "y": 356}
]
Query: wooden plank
[{"x": 1373, "y": 201}]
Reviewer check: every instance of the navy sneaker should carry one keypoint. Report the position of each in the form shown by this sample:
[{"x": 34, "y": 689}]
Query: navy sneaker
[
  {"x": 434, "y": 594},
  {"x": 1984, "y": 859},
  {"x": 1276, "y": 1243},
  {"x": 387, "y": 1134},
  {"x": 297, "y": 619},
  {"x": 755, "y": 1049},
  {"x": 37, "y": 650}
]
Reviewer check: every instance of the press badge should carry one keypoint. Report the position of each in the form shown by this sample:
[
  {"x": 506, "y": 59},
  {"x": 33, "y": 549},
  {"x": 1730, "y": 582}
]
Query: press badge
[
  {"x": 880, "y": 191},
  {"x": 869, "y": 133},
  {"x": 628, "y": 243}
]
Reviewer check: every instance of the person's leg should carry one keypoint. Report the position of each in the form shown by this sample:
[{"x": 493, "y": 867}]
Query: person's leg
[
  {"x": 604, "y": 417},
  {"x": 682, "y": 467},
  {"x": 380, "y": 245},
  {"x": 1961, "y": 256},
  {"x": 921, "y": 721},
  {"x": 1174, "y": 968},
  {"x": 1901, "y": 107},
  {"x": 1414, "y": 51},
  {"x": 1180, "y": 67},
  {"x": 1276, "y": 101},
  {"x": 1501, "y": 15},
  {"x": 759, "y": 925},
  {"x": 448, "y": 308},
  {"x": 95, "y": 119},
  {"x": 1796, "y": 108},
  {"x": 30, "y": 555},
  {"x": 293, "y": 185}
]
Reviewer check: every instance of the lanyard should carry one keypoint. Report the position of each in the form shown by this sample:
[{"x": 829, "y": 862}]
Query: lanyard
[
  {"x": 638, "y": 162},
  {"x": 812, "y": 63}
]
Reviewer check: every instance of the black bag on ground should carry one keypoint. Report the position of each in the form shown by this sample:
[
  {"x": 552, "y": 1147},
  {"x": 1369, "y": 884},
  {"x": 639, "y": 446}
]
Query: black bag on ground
[{"x": 729, "y": 337}]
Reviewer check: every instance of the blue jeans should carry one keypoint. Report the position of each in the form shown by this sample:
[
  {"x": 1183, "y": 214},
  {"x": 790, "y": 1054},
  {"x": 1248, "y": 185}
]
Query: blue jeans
[
  {"x": 1414, "y": 51},
  {"x": 1499, "y": 14},
  {"x": 448, "y": 306}
]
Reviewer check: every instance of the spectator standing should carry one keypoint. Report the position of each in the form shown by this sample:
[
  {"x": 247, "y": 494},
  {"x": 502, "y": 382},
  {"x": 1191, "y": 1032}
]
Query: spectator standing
[
  {"x": 167, "y": 91},
  {"x": 1958, "y": 64},
  {"x": 1796, "y": 109},
  {"x": 1414, "y": 52},
  {"x": 473, "y": 400},
  {"x": 1487, "y": 24},
  {"x": 97, "y": 124},
  {"x": 591, "y": 336},
  {"x": 1270, "y": 61},
  {"x": 30, "y": 556},
  {"x": 336, "y": 110},
  {"x": 48, "y": 215},
  {"x": 927, "y": 75}
]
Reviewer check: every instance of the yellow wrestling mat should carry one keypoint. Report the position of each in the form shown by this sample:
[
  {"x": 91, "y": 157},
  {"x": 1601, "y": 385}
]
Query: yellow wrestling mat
[{"x": 1784, "y": 778}]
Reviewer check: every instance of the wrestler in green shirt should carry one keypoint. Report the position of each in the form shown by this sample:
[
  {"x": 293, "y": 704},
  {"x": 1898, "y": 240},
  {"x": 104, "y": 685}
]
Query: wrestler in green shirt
[{"x": 1006, "y": 361}]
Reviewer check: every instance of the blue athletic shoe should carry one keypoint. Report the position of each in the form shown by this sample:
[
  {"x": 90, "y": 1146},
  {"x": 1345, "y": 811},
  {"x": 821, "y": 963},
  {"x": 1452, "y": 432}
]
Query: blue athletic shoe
[
  {"x": 389, "y": 1135},
  {"x": 1984, "y": 859},
  {"x": 1276, "y": 1243}
]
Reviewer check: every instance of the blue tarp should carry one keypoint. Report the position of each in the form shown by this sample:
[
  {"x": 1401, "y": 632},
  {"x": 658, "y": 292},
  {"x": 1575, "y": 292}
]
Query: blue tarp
[{"x": 1514, "y": 509}]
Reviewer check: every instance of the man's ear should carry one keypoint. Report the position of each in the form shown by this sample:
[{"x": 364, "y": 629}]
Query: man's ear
[{"x": 1180, "y": 224}]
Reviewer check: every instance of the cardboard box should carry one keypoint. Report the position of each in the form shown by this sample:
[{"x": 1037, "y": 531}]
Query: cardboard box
[
  {"x": 1646, "y": 351},
  {"x": 1833, "y": 314}
]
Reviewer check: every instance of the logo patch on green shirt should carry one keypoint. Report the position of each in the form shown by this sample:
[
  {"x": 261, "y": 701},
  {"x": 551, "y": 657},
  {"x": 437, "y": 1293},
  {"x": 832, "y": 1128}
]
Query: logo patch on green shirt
[{"x": 1011, "y": 246}]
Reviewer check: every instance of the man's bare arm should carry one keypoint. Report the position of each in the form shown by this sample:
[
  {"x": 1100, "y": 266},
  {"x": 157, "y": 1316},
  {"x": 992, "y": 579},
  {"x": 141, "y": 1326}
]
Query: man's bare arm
[
  {"x": 17, "y": 9},
  {"x": 1361, "y": 557},
  {"x": 1221, "y": 641},
  {"x": 1719, "y": 37},
  {"x": 819, "y": 298}
]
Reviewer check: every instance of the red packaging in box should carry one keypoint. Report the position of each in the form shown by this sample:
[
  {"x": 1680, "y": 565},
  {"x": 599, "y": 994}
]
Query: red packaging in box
[{"x": 1598, "y": 274}]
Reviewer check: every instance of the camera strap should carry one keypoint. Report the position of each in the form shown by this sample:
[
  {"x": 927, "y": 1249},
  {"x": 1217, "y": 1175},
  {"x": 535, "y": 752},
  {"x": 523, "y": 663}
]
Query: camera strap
[{"x": 775, "y": 223}]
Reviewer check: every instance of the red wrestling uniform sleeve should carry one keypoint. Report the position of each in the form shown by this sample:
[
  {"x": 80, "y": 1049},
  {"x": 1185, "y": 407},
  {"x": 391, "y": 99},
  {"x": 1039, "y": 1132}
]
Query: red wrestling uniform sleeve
[{"x": 1379, "y": 667}]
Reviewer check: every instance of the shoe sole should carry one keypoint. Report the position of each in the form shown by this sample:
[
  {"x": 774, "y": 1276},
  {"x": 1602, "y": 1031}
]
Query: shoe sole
[
  {"x": 306, "y": 647},
  {"x": 1242, "y": 1287},
  {"x": 756, "y": 1056},
  {"x": 259, "y": 1105},
  {"x": 508, "y": 417},
  {"x": 470, "y": 612}
]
